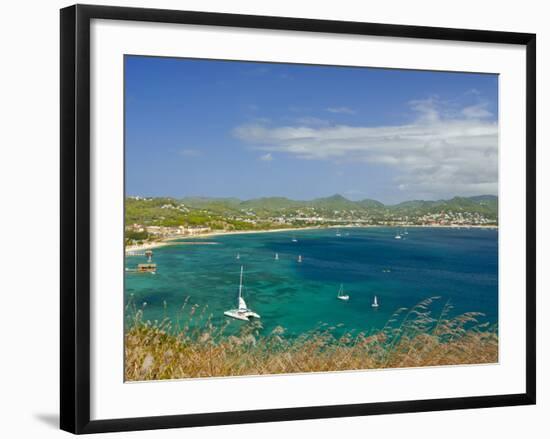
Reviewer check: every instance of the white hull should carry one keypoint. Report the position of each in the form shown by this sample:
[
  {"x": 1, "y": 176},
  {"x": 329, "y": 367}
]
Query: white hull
[
  {"x": 241, "y": 314},
  {"x": 341, "y": 294}
]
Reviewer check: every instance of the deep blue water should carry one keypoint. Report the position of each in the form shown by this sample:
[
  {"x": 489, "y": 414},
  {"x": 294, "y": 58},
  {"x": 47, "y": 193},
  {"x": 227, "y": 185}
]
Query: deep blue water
[{"x": 459, "y": 265}]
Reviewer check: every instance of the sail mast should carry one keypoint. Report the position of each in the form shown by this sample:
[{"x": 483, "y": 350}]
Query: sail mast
[{"x": 241, "y": 283}]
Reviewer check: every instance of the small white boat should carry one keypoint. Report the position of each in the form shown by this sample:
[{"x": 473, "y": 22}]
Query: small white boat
[
  {"x": 294, "y": 239},
  {"x": 341, "y": 294},
  {"x": 299, "y": 258},
  {"x": 242, "y": 312},
  {"x": 238, "y": 256},
  {"x": 276, "y": 256},
  {"x": 338, "y": 232},
  {"x": 375, "y": 302},
  {"x": 405, "y": 232},
  {"x": 398, "y": 236}
]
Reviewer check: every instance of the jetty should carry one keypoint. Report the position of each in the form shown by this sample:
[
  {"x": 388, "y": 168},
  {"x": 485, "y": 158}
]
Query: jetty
[{"x": 148, "y": 267}]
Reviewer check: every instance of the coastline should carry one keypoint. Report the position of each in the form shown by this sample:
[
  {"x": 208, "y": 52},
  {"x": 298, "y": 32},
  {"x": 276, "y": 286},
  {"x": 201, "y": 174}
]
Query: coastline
[{"x": 171, "y": 239}]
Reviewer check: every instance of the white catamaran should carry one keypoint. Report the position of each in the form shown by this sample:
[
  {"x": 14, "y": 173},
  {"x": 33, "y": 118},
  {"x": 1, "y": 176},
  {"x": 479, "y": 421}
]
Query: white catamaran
[
  {"x": 341, "y": 294},
  {"x": 242, "y": 312}
]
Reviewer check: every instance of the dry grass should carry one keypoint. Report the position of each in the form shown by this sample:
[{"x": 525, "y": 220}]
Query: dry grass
[{"x": 411, "y": 338}]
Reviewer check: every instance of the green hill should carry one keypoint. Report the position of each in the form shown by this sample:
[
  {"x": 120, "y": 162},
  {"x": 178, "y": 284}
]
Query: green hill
[
  {"x": 223, "y": 213},
  {"x": 370, "y": 204},
  {"x": 335, "y": 202}
]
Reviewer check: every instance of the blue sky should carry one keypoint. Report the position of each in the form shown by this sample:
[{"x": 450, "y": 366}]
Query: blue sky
[{"x": 247, "y": 130}]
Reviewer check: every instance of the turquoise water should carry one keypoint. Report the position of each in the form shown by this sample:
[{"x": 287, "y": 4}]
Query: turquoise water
[{"x": 459, "y": 265}]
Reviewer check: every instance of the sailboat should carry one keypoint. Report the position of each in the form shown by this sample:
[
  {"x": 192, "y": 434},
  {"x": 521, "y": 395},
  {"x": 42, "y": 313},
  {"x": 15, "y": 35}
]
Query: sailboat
[
  {"x": 397, "y": 236},
  {"x": 299, "y": 258},
  {"x": 242, "y": 312},
  {"x": 276, "y": 256},
  {"x": 341, "y": 294},
  {"x": 338, "y": 232},
  {"x": 405, "y": 232},
  {"x": 238, "y": 256},
  {"x": 375, "y": 302},
  {"x": 294, "y": 239}
]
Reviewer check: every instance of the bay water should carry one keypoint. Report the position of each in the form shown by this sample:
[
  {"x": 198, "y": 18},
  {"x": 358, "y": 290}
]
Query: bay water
[{"x": 458, "y": 265}]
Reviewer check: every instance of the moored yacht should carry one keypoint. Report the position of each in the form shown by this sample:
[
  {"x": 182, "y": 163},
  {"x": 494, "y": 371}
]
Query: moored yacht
[
  {"x": 341, "y": 295},
  {"x": 242, "y": 312}
]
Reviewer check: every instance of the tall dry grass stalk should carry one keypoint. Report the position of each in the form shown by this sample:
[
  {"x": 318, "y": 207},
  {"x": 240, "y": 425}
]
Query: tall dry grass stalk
[{"x": 412, "y": 338}]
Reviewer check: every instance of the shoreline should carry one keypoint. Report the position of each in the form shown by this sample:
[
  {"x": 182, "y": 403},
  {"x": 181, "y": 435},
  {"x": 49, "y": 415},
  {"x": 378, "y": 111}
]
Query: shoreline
[{"x": 171, "y": 239}]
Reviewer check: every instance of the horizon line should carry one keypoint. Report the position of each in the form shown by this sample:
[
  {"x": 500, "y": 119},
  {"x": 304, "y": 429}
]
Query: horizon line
[{"x": 307, "y": 200}]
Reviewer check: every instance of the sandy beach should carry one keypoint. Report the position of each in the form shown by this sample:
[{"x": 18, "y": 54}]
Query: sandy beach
[{"x": 172, "y": 240}]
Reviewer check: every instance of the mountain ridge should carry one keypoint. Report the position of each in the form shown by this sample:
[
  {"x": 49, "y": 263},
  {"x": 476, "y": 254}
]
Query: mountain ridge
[{"x": 332, "y": 199}]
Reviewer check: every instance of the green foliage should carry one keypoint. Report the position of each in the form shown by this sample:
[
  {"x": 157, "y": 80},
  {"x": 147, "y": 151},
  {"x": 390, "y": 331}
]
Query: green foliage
[
  {"x": 486, "y": 205},
  {"x": 136, "y": 236},
  {"x": 229, "y": 213}
]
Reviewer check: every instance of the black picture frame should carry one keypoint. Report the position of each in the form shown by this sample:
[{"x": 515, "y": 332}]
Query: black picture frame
[{"x": 75, "y": 217}]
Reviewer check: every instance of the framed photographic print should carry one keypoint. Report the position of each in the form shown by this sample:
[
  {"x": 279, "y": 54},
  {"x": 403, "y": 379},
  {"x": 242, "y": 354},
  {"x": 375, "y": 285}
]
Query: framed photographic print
[{"x": 268, "y": 218}]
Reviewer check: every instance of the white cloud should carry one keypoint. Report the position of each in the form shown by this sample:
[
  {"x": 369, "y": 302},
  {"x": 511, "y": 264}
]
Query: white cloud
[
  {"x": 342, "y": 110},
  {"x": 435, "y": 155},
  {"x": 427, "y": 109},
  {"x": 477, "y": 111},
  {"x": 266, "y": 157}
]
